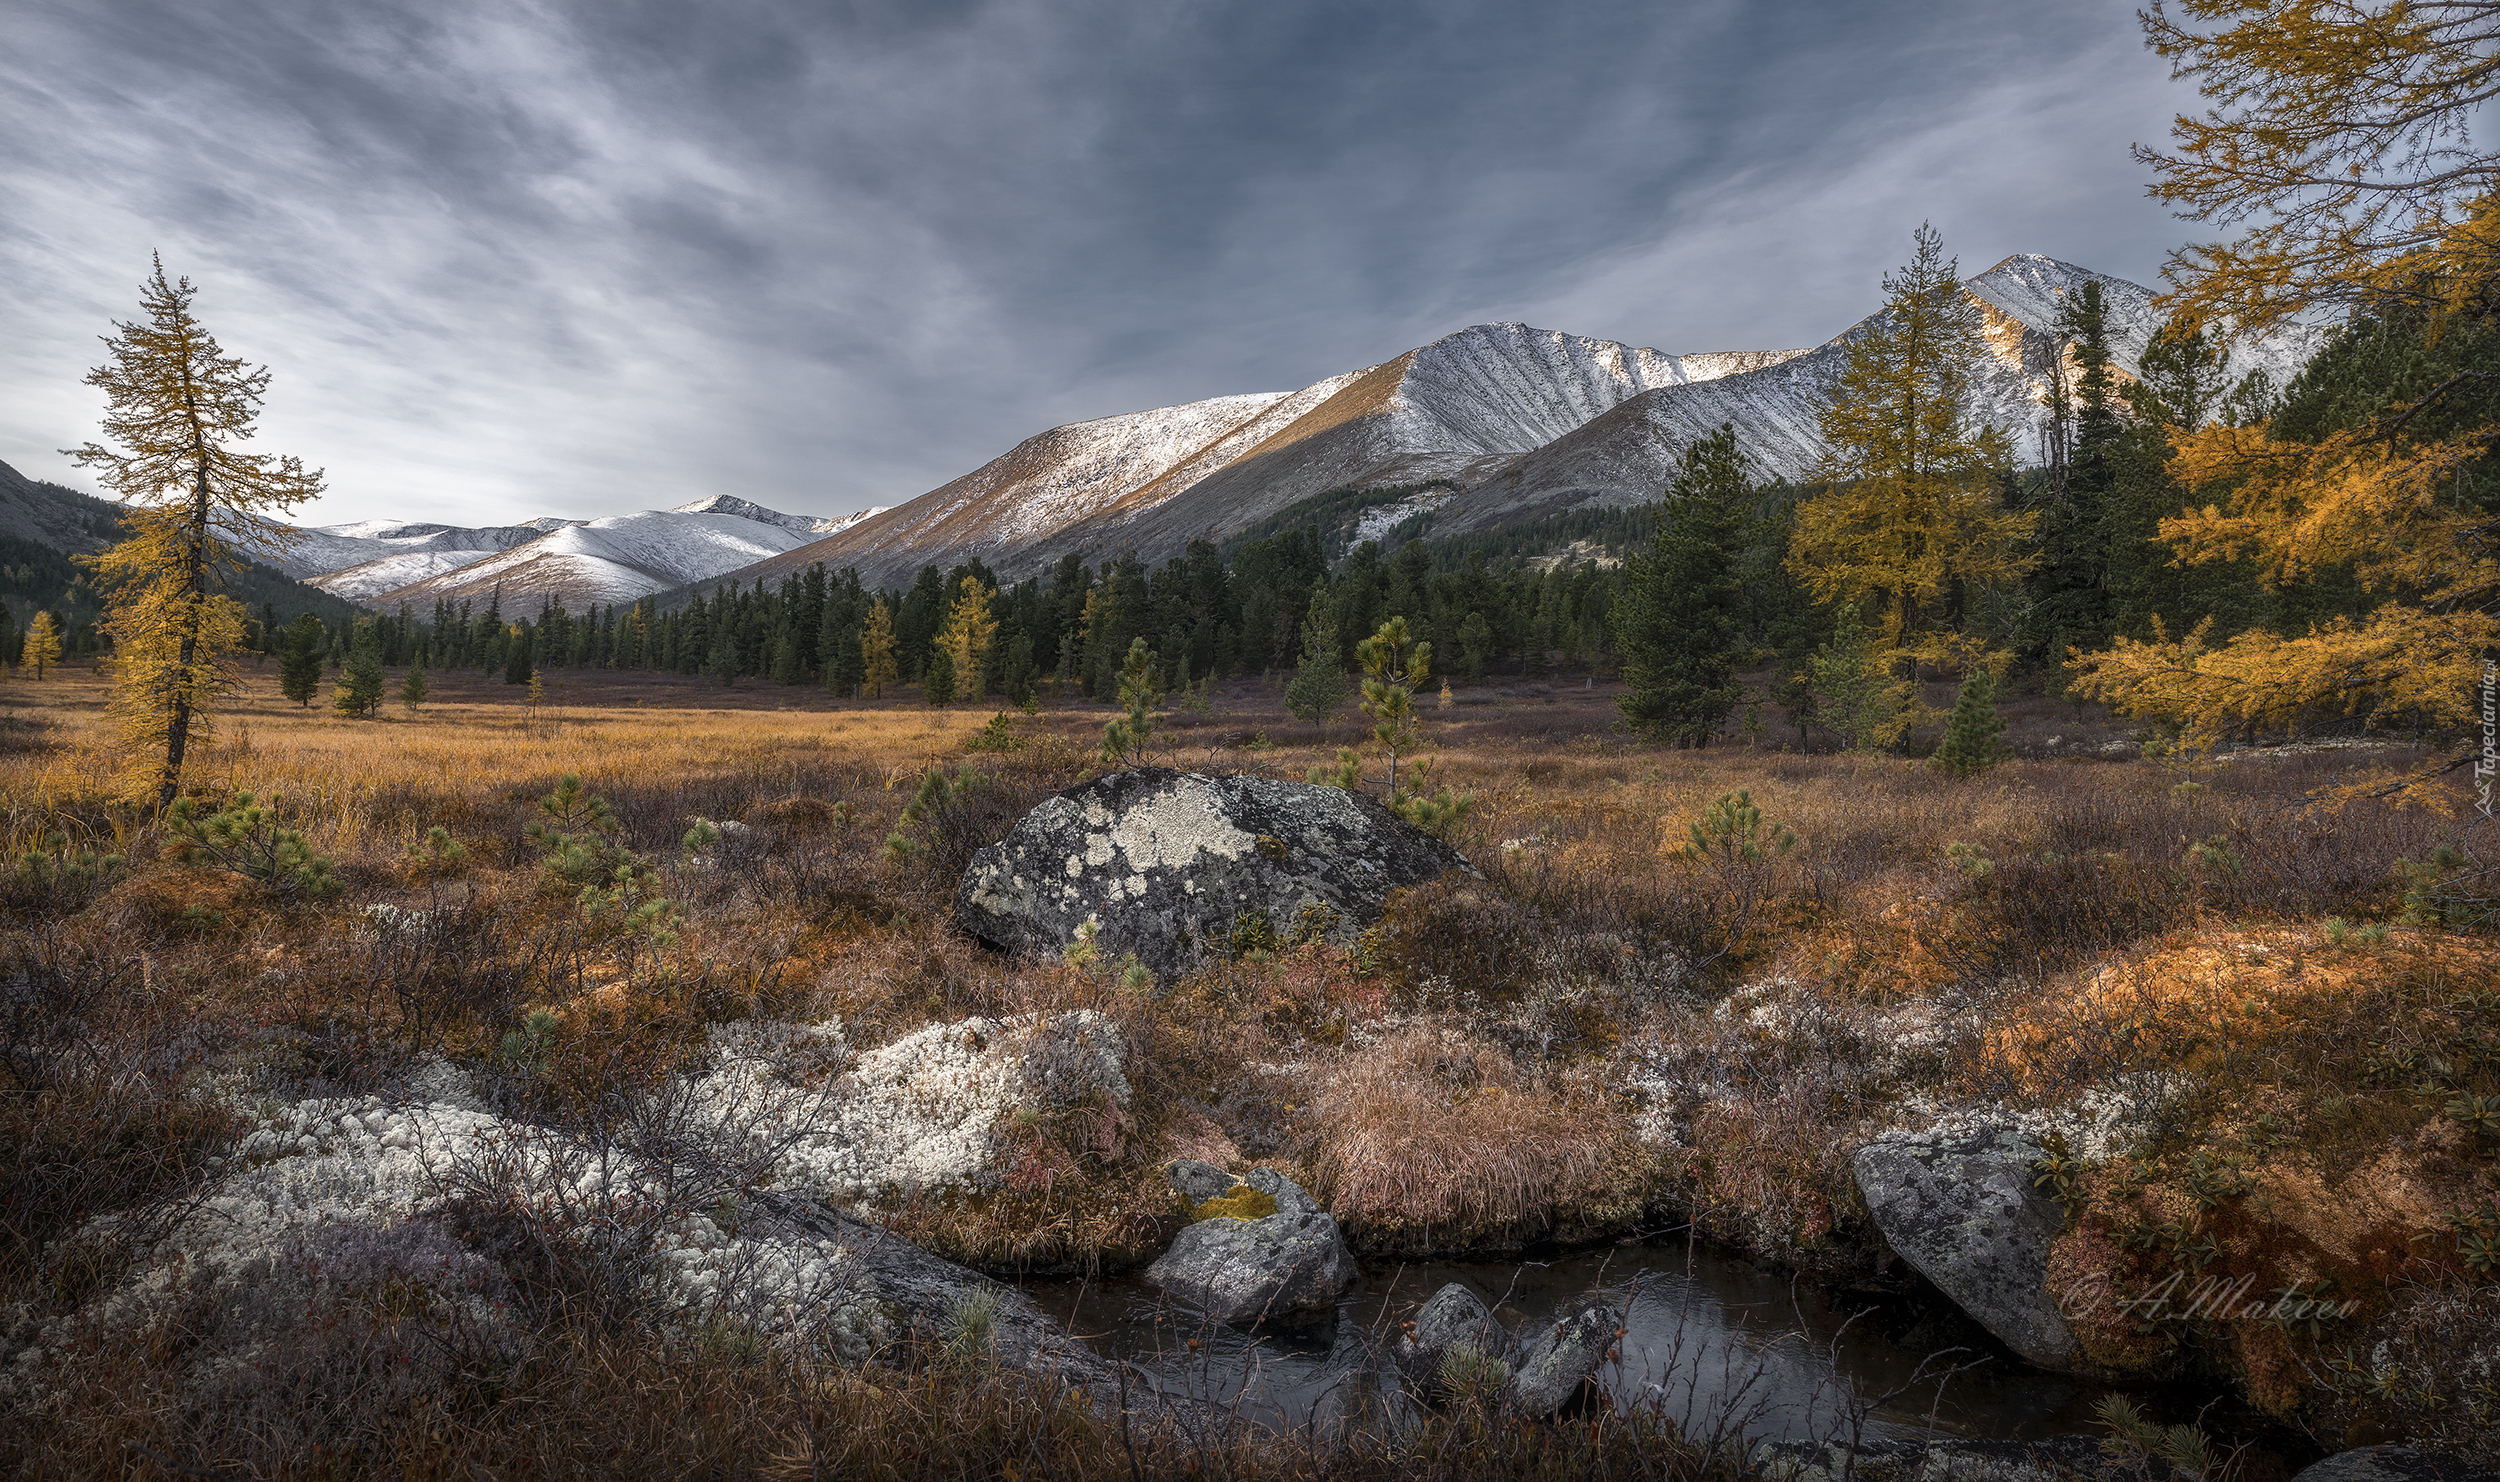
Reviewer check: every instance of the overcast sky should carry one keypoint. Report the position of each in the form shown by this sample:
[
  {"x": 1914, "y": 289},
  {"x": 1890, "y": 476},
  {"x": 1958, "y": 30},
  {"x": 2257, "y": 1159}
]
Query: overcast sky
[{"x": 510, "y": 259}]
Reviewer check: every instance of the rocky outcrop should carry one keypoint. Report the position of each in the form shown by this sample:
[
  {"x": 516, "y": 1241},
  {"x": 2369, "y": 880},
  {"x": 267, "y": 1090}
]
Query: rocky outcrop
[
  {"x": 1553, "y": 1365},
  {"x": 1285, "y": 1267},
  {"x": 1455, "y": 1317},
  {"x": 1959, "y": 1204},
  {"x": 1172, "y": 865}
]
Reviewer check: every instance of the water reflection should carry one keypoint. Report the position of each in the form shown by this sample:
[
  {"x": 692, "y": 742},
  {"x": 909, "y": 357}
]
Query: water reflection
[{"x": 1720, "y": 1345}]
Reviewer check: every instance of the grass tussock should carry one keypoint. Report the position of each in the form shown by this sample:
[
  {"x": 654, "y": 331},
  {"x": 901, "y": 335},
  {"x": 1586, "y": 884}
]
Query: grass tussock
[{"x": 1432, "y": 1140}]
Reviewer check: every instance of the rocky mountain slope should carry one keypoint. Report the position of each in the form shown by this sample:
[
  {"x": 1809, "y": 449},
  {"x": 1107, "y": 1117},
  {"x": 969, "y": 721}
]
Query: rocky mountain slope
[
  {"x": 1460, "y": 407},
  {"x": 1525, "y": 422},
  {"x": 579, "y": 562},
  {"x": 1623, "y": 456}
]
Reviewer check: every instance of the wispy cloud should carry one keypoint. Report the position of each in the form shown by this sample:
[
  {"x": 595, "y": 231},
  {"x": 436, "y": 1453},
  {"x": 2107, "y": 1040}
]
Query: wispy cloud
[{"x": 512, "y": 259}]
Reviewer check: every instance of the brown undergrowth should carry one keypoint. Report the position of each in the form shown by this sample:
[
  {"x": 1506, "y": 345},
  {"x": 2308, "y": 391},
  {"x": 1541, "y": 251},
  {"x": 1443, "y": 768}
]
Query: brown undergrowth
[{"x": 1596, "y": 1035}]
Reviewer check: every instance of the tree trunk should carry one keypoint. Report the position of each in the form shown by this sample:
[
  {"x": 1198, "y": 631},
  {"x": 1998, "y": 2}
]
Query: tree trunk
[{"x": 178, "y": 725}]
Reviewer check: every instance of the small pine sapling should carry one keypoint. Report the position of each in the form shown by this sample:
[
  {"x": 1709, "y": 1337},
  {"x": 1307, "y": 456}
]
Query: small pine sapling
[
  {"x": 413, "y": 688},
  {"x": 1972, "y": 736},
  {"x": 1124, "y": 739},
  {"x": 246, "y": 838}
]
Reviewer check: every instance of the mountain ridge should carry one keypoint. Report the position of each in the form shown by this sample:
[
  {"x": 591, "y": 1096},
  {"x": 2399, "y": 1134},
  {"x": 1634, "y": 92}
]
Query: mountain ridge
[{"x": 1525, "y": 422}]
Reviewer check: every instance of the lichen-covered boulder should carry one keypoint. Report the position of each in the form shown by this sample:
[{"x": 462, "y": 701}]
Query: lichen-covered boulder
[
  {"x": 1170, "y": 865},
  {"x": 1960, "y": 1205},
  {"x": 1289, "y": 1266},
  {"x": 1555, "y": 1363},
  {"x": 1454, "y": 1317}
]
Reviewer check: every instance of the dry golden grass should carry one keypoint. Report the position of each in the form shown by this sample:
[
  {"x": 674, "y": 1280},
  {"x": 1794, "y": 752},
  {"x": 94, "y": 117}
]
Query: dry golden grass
[
  {"x": 1459, "y": 1081},
  {"x": 1431, "y": 1140}
]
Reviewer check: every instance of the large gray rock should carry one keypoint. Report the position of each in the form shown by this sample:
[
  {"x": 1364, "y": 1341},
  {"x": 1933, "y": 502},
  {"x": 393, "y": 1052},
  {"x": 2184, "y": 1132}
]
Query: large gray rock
[
  {"x": 2392, "y": 1464},
  {"x": 1166, "y": 863},
  {"x": 1553, "y": 1365},
  {"x": 1288, "y": 1266},
  {"x": 1959, "y": 1205},
  {"x": 1453, "y": 1317}
]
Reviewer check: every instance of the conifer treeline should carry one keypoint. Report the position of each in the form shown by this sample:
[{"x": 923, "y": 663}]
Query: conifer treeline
[{"x": 1199, "y": 613}]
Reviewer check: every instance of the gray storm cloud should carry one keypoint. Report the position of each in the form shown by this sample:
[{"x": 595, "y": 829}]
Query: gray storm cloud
[{"x": 512, "y": 259}]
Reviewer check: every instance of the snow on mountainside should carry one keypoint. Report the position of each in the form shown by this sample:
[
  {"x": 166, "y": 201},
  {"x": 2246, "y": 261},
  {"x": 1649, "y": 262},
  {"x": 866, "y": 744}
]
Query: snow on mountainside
[
  {"x": 1461, "y": 407},
  {"x": 615, "y": 559},
  {"x": 325, "y": 554},
  {"x": 1623, "y": 456},
  {"x": 388, "y": 562}
]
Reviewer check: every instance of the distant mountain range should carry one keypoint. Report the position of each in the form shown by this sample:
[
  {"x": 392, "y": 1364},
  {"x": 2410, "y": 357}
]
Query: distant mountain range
[
  {"x": 1516, "y": 423},
  {"x": 1503, "y": 422},
  {"x": 577, "y": 562}
]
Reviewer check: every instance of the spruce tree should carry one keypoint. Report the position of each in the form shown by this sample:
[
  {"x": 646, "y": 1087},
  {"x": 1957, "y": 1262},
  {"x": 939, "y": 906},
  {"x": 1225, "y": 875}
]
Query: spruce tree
[
  {"x": 937, "y": 682},
  {"x": 1679, "y": 624},
  {"x": 299, "y": 663},
  {"x": 1856, "y": 696},
  {"x": 2072, "y": 581},
  {"x": 412, "y": 690},
  {"x": 8, "y": 639},
  {"x": 1971, "y": 743},
  {"x": 360, "y": 686},
  {"x": 1319, "y": 683},
  {"x": 516, "y": 657}
]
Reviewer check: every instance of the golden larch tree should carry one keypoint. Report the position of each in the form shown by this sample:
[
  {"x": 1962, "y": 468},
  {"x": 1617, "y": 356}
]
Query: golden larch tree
[
  {"x": 43, "y": 642},
  {"x": 876, "y": 650},
  {"x": 967, "y": 634},
  {"x": 1910, "y": 520},
  {"x": 2342, "y": 131},
  {"x": 177, "y": 406}
]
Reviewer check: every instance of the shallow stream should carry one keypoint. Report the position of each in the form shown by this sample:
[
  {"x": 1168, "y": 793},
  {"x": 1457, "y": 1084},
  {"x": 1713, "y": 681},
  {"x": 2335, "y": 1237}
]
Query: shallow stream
[{"x": 1720, "y": 1344}]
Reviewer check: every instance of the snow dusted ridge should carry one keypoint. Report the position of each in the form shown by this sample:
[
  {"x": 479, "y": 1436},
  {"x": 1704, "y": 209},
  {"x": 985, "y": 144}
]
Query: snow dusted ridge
[
  {"x": 576, "y": 561},
  {"x": 1527, "y": 421},
  {"x": 1623, "y": 456},
  {"x": 1460, "y": 407}
]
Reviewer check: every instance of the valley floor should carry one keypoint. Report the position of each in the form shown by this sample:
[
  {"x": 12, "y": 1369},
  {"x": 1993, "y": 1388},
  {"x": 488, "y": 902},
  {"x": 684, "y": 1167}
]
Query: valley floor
[{"x": 2224, "y": 1011}]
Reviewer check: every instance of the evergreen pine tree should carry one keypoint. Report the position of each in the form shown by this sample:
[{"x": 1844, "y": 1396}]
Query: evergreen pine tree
[
  {"x": 1124, "y": 738},
  {"x": 1679, "y": 624},
  {"x": 8, "y": 639},
  {"x": 937, "y": 682},
  {"x": 1971, "y": 743},
  {"x": 412, "y": 690},
  {"x": 360, "y": 685},
  {"x": 2072, "y": 580},
  {"x": 1856, "y": 696},
  {"x": 299, "y": 663},
  {"x": 1319, "y": 683},
  {"x": 516, "y": 657},
  {"x": 1475, "y": 646}
]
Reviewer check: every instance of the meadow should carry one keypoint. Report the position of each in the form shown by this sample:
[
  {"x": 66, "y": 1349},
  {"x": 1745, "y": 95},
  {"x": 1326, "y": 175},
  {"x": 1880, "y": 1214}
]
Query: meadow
[{"x": 1597, "y": 1038}]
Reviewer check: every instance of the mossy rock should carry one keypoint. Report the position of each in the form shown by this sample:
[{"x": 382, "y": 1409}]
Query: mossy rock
[{"x": 1240, "y": 1202}]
